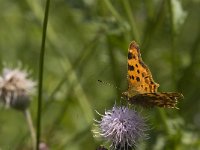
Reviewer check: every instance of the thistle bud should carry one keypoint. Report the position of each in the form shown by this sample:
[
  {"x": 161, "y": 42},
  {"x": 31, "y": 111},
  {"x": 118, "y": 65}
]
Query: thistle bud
[{"x": 15, "y": 88}]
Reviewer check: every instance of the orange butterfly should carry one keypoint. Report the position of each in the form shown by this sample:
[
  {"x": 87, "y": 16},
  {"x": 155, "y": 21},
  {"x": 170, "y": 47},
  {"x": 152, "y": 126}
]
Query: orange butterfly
[{"x": 142, "y": 89}]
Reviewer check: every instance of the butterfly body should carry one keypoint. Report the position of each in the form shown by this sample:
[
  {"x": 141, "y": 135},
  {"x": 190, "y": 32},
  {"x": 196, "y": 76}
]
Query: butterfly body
[{"x": 142, "y": 89}]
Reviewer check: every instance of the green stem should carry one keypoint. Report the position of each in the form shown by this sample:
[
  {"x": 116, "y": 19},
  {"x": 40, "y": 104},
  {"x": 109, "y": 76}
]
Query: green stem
[
  {"x": 113, "y": 10},
  {"x": 31, "y": 127},
  {"x": 173, "y": 48},
  {"x": 41, "y": 66},
  {"x": 163, "y": 118},
  {"x": 129, "y": 13},
  {"x": 118, "y": 17}
]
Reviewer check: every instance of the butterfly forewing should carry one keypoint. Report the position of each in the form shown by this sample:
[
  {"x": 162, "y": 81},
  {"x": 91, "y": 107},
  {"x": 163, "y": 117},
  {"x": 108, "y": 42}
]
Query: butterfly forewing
[
  {"x": 142, "y": 89},
  {"x": 139, "y": 76}
]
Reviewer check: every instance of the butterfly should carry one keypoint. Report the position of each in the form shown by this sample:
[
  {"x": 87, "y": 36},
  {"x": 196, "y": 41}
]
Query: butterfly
[{"x": 142, "y": 89}]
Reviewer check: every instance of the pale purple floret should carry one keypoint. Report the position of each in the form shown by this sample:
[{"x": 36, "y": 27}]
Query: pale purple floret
[{"x": 123, "y": 127}]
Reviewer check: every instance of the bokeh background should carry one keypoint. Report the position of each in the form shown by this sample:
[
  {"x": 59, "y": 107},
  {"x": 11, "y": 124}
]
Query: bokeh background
[{"x": 87, "y": 40}]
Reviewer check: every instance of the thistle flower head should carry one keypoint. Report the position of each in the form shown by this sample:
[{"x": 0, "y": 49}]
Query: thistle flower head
[
  {"x": 15, "y": 88},
  {"x": 122, "y": 126}
]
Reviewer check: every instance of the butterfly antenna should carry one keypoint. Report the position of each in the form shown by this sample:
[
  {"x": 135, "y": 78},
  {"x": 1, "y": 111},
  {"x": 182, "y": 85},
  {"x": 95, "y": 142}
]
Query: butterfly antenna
[{"x": 106, "y": 83}]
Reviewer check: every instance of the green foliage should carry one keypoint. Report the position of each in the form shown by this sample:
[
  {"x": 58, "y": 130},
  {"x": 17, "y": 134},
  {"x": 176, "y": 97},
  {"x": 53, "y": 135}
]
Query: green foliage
[{"x": 87, "y": 40}]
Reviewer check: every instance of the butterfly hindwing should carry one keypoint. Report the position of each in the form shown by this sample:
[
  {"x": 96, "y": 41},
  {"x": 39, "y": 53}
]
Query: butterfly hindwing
[{"x": 160, "y": 99}]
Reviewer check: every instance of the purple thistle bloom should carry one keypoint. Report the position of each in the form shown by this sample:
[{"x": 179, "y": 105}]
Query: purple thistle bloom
[{"x": 123, "y": 127}]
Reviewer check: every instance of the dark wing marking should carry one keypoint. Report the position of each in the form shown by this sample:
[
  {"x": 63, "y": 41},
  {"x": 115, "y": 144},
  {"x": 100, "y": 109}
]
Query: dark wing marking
[{"x": 160, "y": 99}]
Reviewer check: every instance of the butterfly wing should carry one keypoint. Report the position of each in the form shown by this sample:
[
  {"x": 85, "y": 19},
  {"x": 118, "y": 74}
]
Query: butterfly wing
[
  {"x": 160, "y": 99},
  {"x": 140, "y": 79},
  {"x": 142, "y": 89}
]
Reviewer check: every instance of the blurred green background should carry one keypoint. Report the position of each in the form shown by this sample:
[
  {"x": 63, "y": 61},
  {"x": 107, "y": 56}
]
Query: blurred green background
[{"x": 88, "y": 40}]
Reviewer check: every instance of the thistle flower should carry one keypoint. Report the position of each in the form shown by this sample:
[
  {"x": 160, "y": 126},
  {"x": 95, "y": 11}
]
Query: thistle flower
[
  {"x": 101, "y": 148},
  {"x": 43, "y": 146},
  {"x": 15, "y": 88},
  {"x": 123, "y": 127}
]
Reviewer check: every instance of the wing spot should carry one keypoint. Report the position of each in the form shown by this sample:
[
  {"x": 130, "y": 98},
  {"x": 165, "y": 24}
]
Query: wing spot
[
  {"x": 130, "y": 67},
  {"x": 130, "y": 55},
  {"x": 150, "y": 88},
  {"x": 145, "y": 88},
  {"x": 138, "y": 71},
  {"x": 132, "y": 77},
  {"x": 143, "y": 74},
  {"x": 136, "y": 65},
  {"x": 138, "y": 79}
]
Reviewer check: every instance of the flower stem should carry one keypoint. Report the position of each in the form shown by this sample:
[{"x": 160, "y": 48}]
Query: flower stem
[
  {"x": 31, "y": 127},
  {"x": 41, "y": 66}
]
